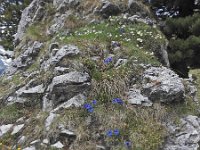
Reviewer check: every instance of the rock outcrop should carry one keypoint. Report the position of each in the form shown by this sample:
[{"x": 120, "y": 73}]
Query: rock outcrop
[
  {"x": 162, "y": 84},
  {"x": 186, "y": 136},
  {"x": 82, "y": 69}
]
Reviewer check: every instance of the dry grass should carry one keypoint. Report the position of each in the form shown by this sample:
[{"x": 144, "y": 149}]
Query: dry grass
[
  {"x": 73, "y": 22},
  {"x": 109, "y": 87},
  {"x": 142, "y": 126},
  {"x": 89, "y": 5}
]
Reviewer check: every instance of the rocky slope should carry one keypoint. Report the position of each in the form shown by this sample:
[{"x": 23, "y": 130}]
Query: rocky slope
[{"x": 94, "y": 75}]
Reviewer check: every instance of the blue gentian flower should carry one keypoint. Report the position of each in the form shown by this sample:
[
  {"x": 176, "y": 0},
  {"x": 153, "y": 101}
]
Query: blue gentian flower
[
  {"x": 116, "y": 132},
  {"x": 109, "y": 133},
  {"x": 127, "y": 143},
  {"x": 87, "y": 106},
  {"x": 108, "y": 60},
  {"x": 94, "y": 102},
  {"x": 90, "y": 110},
  {"x": 117, "y": 101}
]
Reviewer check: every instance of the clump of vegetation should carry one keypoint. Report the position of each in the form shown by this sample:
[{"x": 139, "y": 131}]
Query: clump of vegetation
[
  {"x": 136, "y": 44},
  {"x": 118, "y": 125},
  {"x": 36, "y": 32},
  {"x": 10, "y": 113}
]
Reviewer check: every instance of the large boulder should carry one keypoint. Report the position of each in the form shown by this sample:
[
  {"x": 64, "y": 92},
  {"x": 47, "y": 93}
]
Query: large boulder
[
  {"x": 186, "y": 136},
  {"x": 65, "y": 87},
  {"x": 162, "y": 84}
]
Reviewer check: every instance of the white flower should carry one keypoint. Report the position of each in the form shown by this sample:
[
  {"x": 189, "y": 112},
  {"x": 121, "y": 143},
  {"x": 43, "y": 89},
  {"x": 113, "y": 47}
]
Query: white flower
[
  {"x": 123, "y": 26},
  {"x": 139, "y": 40}
]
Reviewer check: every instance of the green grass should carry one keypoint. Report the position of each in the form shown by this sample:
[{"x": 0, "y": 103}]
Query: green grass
[
  {"x": 37, "y": 32},
  {"x": 141, "y": 126},
  {"x": 102, "y": 34},
  {"x": 10, "y": 113},
  {"x": 196, "y": 72},
  {"x": 93, "y": 39}
]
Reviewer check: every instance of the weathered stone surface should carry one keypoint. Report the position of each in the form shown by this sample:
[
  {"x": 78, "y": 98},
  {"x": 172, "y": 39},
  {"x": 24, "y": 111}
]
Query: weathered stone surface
[
  {"x": 191, "y": 89},
  {"x": 160, "y": 52},
  {"x": 26, "y": 94},
  {"x": 27, "y": 57},
  {"x": 45, "y": 141},
  {"x": 109, "y": 9},
  {"x": 35, "y": 142},
  {"x": 135, "y": 97},
  {"x": 30, "y": 148},
  {"x": 65, "y": 87},
  {"x": 34, "y": 12},
  {"x": 162, "y": 84},
  {"x": 186, "y": 136},
  {"x": 59, "y": 22},
  {"x": 5, "y": 128},
  {"x": 120, "y": 62},
  {"x": 22, "y": 140},
  {"x": 63, "y": 5},
  {"x": 58, "y": 145},
  {"x": 17, "y": 128},
  {"x": 50, "y": 120},
  {"x": 76, "y": 101},
  {"x": 65, "y": 52},
  {"x": 33, "y": 90}
]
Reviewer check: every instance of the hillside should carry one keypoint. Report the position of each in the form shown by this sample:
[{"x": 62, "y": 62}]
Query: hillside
[{"x": 94, "y": 75}]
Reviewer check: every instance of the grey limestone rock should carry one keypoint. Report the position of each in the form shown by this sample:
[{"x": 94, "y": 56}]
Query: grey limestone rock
[
  {"x": 30, "y": 148},
  {"x": 162, "y": 84},
  {"x": 63, "y": 5},
  {"x": 65, "y": 87},
  {"x": 34, "y": 12},
  {"x": 5, "y": 128},
  {"x": 59, "y": 54},
  {"x": 58, "y": 145},
  {"x": 17, "y": 129},
  {"x": 26, "y": 94},
  {"x": 26, "y": 58},
  {"x": 50, "y": 119},
  {"x": 135, "y": 97},
  {"x": 185, "y": 136},
  {"x": 76, "y": 101}
]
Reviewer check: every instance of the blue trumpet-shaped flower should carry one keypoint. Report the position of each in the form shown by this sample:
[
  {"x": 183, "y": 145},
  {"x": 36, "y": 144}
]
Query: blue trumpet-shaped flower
[
  {"x": 116, "y": 132},
  {"x": 108, "y": 60},
  {"x": 90, "y": 110},
  {"x": 127, "y": 144},
  {"x": 109, "y": 133},
  {"x": 117, "y": 101},
  {"x": 88, "y": 107},
  {"x": 94, "y": 102}
]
